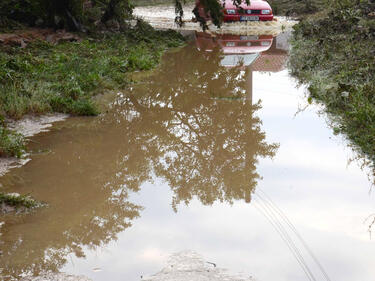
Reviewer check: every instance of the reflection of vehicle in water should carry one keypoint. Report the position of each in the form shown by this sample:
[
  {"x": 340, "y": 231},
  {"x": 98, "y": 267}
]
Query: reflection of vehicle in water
[
  {"x": 250, "y": 53},
  {"x": 258, "y": 10},
  {"x": 237, "y": 49}
]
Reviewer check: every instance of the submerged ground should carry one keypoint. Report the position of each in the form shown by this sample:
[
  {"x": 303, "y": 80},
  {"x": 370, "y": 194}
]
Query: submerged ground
[
  {"x": 217, "y": 152},
  {"x": 188, "y": 158}
]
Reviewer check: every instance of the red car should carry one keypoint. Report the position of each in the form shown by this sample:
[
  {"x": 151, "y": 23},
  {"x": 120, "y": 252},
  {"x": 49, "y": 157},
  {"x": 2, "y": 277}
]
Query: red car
[{"x": 258, "y": 10}]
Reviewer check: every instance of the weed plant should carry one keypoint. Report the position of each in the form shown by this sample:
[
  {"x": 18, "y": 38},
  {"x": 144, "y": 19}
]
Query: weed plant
[
  {"x": 63, "y": 78},
  {"x": 334, "y": 55},
  {"x": 11, "y": 143},
  {"x": 17, "y": 201}
]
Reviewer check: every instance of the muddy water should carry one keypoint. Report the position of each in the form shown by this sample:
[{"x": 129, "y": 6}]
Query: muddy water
[{"x": 189, "y": 159}]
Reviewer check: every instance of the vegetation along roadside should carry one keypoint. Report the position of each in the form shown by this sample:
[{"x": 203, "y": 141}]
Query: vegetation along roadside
[
  {"x": 46, "y": 77},
  {"x": 55, "y": 56},
  {"x": 333, "y": 53}
]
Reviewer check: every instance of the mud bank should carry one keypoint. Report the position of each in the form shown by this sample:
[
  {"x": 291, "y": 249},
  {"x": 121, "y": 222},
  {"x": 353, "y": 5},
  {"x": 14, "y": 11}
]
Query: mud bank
[
  {"x": 163, "y": 17},
  {"x": 28, "y": 126},
  {"x": 189, "y": 266}
]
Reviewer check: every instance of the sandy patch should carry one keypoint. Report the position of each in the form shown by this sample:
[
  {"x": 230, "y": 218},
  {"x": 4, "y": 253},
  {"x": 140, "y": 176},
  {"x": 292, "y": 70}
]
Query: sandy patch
[
  {"x": 28, "y": 126},
  {"x": 190, "y": 266},
  {"x": 163, "y": 17}
]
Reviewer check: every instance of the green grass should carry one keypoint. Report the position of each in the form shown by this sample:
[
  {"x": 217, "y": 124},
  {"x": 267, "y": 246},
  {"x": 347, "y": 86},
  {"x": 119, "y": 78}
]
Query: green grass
[
  {"x": 44, "y": 78},
  {"x": 334, "y": 55},
  {"x": 11, "y": 143}
]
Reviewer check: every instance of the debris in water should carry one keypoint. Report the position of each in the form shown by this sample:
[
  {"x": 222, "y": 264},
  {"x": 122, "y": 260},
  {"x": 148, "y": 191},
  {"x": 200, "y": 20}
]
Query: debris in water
[{"x": 97, "y": 269}]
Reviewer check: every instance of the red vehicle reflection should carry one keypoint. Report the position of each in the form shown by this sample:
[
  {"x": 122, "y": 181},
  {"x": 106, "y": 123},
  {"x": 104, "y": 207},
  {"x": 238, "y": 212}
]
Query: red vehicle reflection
[
  {"x": 236, "y": 48},
  {"x": 251, "y": 53}
]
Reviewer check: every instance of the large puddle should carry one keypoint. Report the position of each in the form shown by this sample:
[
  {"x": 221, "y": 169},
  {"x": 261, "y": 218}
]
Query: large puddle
[{"x": 189, "y": 159}]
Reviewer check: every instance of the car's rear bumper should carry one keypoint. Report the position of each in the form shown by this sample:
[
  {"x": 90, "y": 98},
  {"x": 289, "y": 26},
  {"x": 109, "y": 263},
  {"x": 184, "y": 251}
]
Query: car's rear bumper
[{"x": 229, "y": 18}]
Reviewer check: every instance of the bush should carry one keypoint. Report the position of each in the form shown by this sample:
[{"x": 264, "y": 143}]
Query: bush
[
  {"x": 68, "y": 14},
  {"x": 297, "y": 7},
  {"x": 55, "y": 13}
]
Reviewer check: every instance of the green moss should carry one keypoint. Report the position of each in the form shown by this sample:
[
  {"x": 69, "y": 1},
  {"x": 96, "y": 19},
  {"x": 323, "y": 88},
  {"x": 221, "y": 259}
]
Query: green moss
[
  {"x": 64, "y": 78},
  {"x": 334, "y": 55}
]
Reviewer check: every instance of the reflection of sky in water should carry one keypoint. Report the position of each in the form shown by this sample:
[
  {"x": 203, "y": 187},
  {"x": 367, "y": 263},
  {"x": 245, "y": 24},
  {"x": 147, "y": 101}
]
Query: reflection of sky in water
[{"x": 308, "y": 179}]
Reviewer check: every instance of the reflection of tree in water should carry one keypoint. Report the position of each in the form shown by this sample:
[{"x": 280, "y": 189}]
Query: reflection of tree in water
[
  {"x": 48, "y": 250},
  {"x": 190, "y": 124},
  {"x": 77, "y": 219},
  {"x": 196, "y": 128}
]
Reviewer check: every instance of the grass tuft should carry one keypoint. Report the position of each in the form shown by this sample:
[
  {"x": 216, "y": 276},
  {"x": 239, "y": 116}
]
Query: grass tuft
[
  {"x": 17, "y": 201},
  {"x": 12, "y": 144}
]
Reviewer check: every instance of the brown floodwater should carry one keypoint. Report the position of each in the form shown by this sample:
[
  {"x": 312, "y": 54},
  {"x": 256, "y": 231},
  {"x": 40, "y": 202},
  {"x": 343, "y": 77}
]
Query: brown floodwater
[{"x": 189, "y": 158}]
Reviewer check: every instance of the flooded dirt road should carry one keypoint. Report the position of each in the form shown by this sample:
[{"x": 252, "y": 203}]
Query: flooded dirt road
[
  {"x": 162, "y": 17},
  {"x": 189, "y": 159}
]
